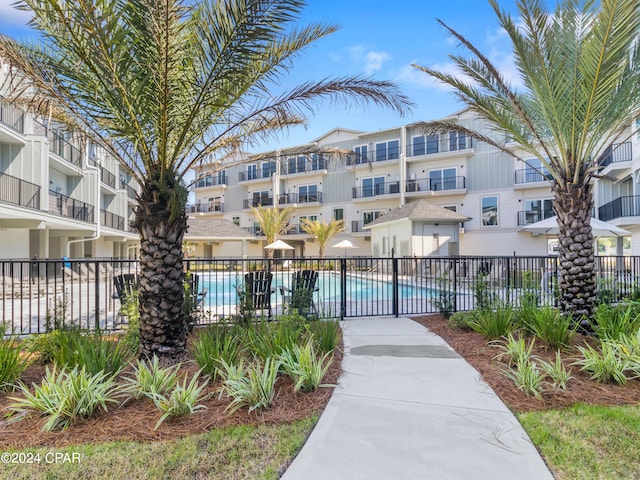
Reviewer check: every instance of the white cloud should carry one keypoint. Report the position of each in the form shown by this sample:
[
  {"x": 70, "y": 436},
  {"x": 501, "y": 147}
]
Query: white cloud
[
  {"x": 374, "y": 61},
  {"x": 417, "y": 78},
  {"x": 10, "y": 15}
]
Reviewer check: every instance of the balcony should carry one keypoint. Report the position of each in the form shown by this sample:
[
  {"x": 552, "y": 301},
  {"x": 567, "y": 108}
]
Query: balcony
[
  {"x": 254, "y": 202},
  {"x": 255, "y": 230},
  {"x": 527, "y": 217},
  {"x": 294, "y": 229},
  {"x": 111, "y": 220},
  {"x": 19, "y": 192},
  {"x": 259, "y": 174},
  {"x": 205, "y": 208},
  {"x": 617, "y": 157},
  {"x": 628, "y": 206},
  {"x": 378, "y": 189},
  {"x": 107, "y": 177},
  {"x": 63, "y": 149},
  {"x": 528, "y": 176},
  {"x": 443, "y": 146},
  {"x": 370, "y": 159},
  {"x": 357, "y": 226},
  {"x": 295, "y": 198},
  {"x": 317, "y": 165},
  {"x": 12, "y": 117},
  {"x": 65, "y": 206},
  {"x": 211, "y": 181},
  {"x": 443, "y": 185}
]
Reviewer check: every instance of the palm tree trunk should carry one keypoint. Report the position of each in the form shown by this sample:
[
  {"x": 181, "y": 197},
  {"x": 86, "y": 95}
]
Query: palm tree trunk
[
  {"x": 573, "y": 206},
  {"x": 163, "y": 328}
]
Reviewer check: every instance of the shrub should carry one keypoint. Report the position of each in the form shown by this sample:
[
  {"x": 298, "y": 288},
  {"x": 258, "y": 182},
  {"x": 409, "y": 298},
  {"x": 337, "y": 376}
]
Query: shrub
[
  {"x": 550, "y": 326},
  {"x": 252, "y": 386},
  {"x": 605, "y": 365},
  {"x": 557, "y": 372},
  {"x": 215, "y": 343},
  {"x": 304, "y": 367},
  {"x": 95, "y": 352},
  {"x": 515, "y": 349},
  {"x": 184, "y": 399},
  {"x": 527, "y": 377},
  {"x": 462, "y": 320},
  {"x": 494, "y": 324},
  {"x": 44, "y": 345},
  {"x": 614, "y": 321},
  {"x": 150, "y": 379},
  {"x": 65, "y": 396},
  {"x": 269, "y": 339},
  {"x": 445, "y": 300},
  {"x": 485, "y": 298},
  {"x": 12, "y": 361},
  {"x": 325, "y": 334}
]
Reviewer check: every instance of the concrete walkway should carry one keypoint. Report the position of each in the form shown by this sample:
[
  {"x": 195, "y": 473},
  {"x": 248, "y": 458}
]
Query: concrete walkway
[{"x": 408, "y": 407}]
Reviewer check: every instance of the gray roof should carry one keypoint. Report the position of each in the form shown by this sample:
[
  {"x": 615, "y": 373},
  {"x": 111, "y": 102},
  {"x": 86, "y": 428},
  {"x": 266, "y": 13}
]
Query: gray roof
[
  {"x": 420, "y": 210},
  {"x": 215, "y": 229}
]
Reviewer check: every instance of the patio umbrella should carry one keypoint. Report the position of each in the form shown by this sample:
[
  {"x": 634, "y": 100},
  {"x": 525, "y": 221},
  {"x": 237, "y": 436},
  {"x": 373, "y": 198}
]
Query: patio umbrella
[
  {"x": 549, "y": 226},
  {"x": 344, "y": 244},
  {"x": 278, "y": 245}
]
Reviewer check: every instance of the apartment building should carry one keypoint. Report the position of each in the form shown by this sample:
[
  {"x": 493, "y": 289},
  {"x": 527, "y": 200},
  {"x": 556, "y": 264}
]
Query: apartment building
[
  {"x": 59, "y": 194},
  {"x": 386, "y": 169}
]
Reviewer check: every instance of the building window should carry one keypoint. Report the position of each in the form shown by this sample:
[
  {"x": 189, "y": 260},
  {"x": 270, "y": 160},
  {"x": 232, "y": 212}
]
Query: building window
[
  {"x": 222, "y": 177},
  {"x": 252, "y": 172},
  {"x": 268, "y": 168},
  {"x": 338, "y": 213},
  {"x": 387, "y": 150},
  {"x": 309, "y": 218},
  {"x": 372, "y": 186},
  {"x": 418, "y": 145},
  {"x": 361, "y": 154},
  {"x": 457, "y": 141},
  {"x": 368, "y": 217},
  {"x": 490, "y": 211},
  {"x": 432, "y": 144},
  {"x": 453, "y": 208},
  {"x": 536, "y": 210},
  {"x": 534, "y": 171},
  {"x": 308, "y": 193},
  {"x": 443, "y": 179},
  {"x": 260, "y": 198}
]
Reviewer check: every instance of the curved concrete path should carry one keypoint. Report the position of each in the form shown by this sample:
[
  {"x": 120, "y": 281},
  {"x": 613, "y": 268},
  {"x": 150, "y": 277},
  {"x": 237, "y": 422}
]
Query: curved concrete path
[{"x": 408, "y": 407}]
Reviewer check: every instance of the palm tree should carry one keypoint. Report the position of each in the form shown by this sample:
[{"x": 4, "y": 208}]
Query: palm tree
[
  {"x": 579, "y": 67},
  {"x": 273, "y": 222},
  {"x": 161, "y": 84},
  {"x": 323, "y": 232}
]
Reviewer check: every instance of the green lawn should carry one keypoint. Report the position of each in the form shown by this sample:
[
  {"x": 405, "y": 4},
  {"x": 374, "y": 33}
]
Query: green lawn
[
  {"x": 243, "y": 452},
  {"x": 588, "y": 441}
]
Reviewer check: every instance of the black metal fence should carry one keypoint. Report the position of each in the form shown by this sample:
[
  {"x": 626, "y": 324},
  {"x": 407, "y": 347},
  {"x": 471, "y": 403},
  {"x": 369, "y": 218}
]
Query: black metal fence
[{"x": 37, "y": 294}]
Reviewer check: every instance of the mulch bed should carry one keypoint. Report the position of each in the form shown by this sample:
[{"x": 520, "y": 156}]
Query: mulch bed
[
  {"x": 580, "y": 389},
  {"x": 135, "y": 419}
]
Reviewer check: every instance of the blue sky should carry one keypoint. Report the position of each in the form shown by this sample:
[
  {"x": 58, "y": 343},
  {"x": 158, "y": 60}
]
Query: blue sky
[{"x": 379, "y": 39}]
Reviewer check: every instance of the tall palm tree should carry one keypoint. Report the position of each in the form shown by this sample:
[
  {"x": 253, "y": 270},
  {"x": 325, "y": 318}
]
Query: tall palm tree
[
  {"x": 580, "y": 70},
  {"x": 163, "y": 83},
  {"x": 323, "y": 232},
  {"x": 273, "y": 222}
]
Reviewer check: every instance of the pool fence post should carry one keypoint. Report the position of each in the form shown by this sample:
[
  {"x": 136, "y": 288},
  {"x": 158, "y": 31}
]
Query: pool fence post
[
  {"x": 343, "y": 288},
  {"x": 394, "y": 285}
]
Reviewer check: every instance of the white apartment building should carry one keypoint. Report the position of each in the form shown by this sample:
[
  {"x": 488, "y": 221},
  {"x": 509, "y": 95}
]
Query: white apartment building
[
  {"x": 389, "y": 168},
  {"x": 59, "y": 195}
]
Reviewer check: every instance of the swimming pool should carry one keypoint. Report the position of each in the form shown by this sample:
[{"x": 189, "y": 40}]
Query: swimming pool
[{"x": 222, "y": 288}]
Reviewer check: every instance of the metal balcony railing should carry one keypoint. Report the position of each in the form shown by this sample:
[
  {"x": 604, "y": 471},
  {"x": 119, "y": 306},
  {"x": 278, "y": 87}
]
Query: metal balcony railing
[
  {"x": 527, "y": 217},
  {"x": 254, "y": 202},
  {"x": 211, "y": 181},
  {"x": 287, "y": 198},
  {"x": 107, "y": 177},
  {"x": 627, "y": 206},
  {"x": 205, "y": 207},
  {"x": 616, "y": 153},
  {"x": 386, "y": 188},
  {"x": 257, "y": 174},
  {"x": 440, "y": 144},
  {"x": 528, "y": 175},
  {"x": 65, "y": 206},
  {"x": 310, "y": 197},
  {"x": 62, "y": 148},
  {"x": 294, "y": 229},
  {"x": 307, "y": 165},
  {"x": 11, "y": 116},
  {"x": 111, "y": 220},
  {"x": 19, "y": 192}
]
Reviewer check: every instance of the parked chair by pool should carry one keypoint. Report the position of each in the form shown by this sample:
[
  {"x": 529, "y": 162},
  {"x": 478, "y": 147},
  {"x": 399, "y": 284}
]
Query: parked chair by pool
[
  {"x": 126, "y": 286},
  {"x": 300, "y": 295},
  {"x": 256, "y": 295}
]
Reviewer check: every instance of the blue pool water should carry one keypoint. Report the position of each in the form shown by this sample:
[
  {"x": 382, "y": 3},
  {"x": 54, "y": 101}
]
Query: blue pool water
[{"x": 222, "y": 288}]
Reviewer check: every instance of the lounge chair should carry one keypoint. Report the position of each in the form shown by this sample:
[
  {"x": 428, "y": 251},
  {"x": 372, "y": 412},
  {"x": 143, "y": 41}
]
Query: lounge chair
[
  {"x": 126, "y": 286},
  {"x": 196, "y": 295},
  {"x": 300, "y": 295},
  {"x": 256, "y": 295}
]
